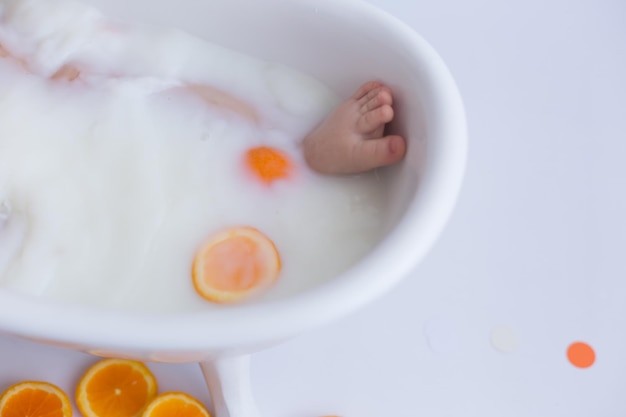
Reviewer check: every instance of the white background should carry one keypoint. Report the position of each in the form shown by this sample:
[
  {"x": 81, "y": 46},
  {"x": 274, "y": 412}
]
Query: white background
[{"x": 537, "y": 243}]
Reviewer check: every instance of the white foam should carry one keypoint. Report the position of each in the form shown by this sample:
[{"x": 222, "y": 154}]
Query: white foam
[{"x": 113, "y": 184}]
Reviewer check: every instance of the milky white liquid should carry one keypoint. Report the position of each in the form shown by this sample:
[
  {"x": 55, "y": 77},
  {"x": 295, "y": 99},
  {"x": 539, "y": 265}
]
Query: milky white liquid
[{"x": 109, "y": 185}]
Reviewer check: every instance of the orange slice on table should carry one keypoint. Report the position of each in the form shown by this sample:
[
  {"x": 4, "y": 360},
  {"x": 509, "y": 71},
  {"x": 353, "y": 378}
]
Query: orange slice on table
[
  {"x": 235, "y": 264},
  {"x": 35, "y": 399},
  {"x": 115, "y": 388},
  {"x": 268, "y": 164},
  {"x": 175, "y": 404}
]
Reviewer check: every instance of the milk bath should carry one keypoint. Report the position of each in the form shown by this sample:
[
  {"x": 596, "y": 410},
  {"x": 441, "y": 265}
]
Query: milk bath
[{"x": 109, "y": 185}]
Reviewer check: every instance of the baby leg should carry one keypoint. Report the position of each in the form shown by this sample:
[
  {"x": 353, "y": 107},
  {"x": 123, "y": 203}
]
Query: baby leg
[
  {"x": 67, "y": 72},
  {"x": 222, "y": 100},
  {"x": 5, "y": 54}
]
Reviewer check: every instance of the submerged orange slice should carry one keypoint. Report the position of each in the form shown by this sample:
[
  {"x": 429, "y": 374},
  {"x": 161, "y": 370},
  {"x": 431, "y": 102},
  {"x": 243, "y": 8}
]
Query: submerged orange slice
[
  {"x": 268, "y": 164},
  {"x": 115, "y": 388},
  {"x": 235, "y": 264},
  {"x": 34, "y": 399},
  {"x": 175, "y": 404}
]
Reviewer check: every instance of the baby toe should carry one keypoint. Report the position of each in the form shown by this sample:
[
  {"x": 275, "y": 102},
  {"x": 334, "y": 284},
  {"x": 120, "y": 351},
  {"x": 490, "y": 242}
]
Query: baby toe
[
  {"x": 369, "y": 96},
  {"x": 375, "y": 119},
  {"x": 380, "y": 98},
  {"x": 376, "y": 153},
  {"x": 365, "y": 89}
]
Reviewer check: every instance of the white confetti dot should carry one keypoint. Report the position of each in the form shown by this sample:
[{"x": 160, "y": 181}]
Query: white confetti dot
[
  {"x": 505, "y": 339},
  {"x": 442, "y": 335}
]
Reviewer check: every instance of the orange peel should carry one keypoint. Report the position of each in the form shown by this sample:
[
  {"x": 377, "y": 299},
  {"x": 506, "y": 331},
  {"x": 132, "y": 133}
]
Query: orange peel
[
  {"x": 268, "y": 164},
  {"x": 235, "y": 264},
  {"x": 35, "y": 399}
]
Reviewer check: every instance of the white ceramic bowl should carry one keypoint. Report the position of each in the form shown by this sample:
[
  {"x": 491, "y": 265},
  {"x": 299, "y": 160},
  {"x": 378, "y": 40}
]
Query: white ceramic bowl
[{"x": 343, "y": 43}]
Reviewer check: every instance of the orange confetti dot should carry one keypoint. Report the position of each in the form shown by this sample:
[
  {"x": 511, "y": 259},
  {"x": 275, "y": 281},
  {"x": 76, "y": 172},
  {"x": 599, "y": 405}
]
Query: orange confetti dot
[
  {"x": 269, "y": 164},
  {"x": 581, "y": 355}
]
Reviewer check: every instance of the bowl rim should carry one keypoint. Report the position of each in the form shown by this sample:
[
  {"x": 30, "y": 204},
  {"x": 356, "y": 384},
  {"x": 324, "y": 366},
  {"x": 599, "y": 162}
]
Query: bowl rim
[{"x": 87, "y": 327}]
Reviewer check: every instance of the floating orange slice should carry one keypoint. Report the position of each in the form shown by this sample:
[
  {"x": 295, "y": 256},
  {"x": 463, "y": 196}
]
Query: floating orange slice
[
  {"x": 115, "y": 388},
  {"x": 268, "y": 164},
  {"x": 175, "y": 404},
  {"x": 35, "y": 399},
  {"x": 235, "y": 264}
]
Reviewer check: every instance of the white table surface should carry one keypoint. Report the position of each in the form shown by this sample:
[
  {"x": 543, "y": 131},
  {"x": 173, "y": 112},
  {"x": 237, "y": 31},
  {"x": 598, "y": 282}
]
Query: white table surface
[{"x": 537, "y": 243}]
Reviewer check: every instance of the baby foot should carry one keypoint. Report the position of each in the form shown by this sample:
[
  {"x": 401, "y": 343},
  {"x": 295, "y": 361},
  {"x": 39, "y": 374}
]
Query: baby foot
[{"x": 351, "y": 139}]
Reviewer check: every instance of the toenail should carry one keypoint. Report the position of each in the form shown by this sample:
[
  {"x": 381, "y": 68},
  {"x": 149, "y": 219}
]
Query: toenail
[{"x": 393, "y": 146}]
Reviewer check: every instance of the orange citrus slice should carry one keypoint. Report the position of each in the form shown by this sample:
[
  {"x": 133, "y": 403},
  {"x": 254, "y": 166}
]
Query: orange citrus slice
[
  {"x": 34, "y": 399},
  {"x": 235, "y": 264},
  {"x": 268, "y": 164},
  {"x": 175, "y": 404},
  {"x": 115, "y": 388}
]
